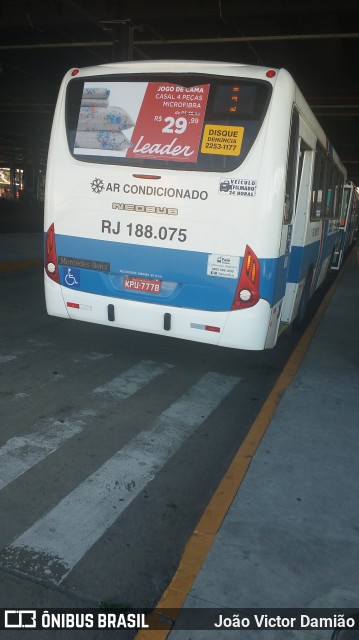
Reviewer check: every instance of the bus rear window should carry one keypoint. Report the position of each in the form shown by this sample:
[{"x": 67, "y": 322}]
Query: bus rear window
[{"x": 203, "y": 123}]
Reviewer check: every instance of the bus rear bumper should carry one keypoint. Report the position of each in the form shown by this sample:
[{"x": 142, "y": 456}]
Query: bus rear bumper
[{"x": 240, "y": 329}]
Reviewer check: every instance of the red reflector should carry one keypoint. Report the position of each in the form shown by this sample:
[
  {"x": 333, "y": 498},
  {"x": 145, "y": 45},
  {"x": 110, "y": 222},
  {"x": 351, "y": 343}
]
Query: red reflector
[
  {"x": 73, "y": 305},
  {"x": 74, "y": 72},
  {"x": 270, "y": 73},
  {"x": 145, "y": 176},
  {"x": 208, "y": 327}
]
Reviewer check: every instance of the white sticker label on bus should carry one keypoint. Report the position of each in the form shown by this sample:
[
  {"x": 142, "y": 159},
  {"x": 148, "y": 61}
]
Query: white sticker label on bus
[
  {"x": 238, "y": 187},
  {"x": 223, "y": 266}
]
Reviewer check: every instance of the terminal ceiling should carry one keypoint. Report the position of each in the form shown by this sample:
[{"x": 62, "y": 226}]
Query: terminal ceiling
[{"x": 316, "y": 41}]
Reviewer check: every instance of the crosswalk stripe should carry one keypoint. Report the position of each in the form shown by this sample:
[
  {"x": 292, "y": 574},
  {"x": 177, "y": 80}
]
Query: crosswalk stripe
[
  {"x": 8, "y": 358},
  {"x": 123, "y": 387},
  {"x": 54, "y": 544},
  {"x": 33, "y": 344},
  {"x": 19, "y": 454}
]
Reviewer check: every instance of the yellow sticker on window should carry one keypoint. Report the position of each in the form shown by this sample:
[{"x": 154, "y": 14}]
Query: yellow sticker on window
[{"x": 223, "y": 140}]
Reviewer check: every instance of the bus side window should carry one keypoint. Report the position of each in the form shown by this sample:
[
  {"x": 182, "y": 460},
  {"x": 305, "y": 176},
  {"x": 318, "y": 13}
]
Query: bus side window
[
  {"x": 328, "y": 210},
  {"x": 318, "y": 189},
  {"x": 327, "y": 189},
  {"x": 339, "y": 195},
  {"x": 292, "y": 164}
]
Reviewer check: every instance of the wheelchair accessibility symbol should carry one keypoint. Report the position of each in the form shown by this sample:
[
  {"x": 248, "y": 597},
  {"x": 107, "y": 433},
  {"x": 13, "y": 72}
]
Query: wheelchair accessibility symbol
[{"x": 72, "y": 277}]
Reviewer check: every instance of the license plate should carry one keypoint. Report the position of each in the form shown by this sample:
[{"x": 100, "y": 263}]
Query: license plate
[{"x": 145, "y": 285}]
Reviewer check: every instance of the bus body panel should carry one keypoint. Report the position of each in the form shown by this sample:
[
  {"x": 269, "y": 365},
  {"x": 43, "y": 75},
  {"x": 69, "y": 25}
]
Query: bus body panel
[
  {"x": 220, "y": 328},
  {"x": 314, "y": 242},
  {"x": 183, "y": 274},
  {"x": 162, "y": 241}
]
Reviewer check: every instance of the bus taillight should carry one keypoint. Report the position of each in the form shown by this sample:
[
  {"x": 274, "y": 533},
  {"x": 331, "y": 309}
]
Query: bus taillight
[
  {"x": 51, "y": 267},
  {"x": 247, "y": 292}
]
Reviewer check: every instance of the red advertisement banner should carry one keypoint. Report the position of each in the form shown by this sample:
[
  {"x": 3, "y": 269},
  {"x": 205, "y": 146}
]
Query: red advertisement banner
[{"x": 169, "y": 123}]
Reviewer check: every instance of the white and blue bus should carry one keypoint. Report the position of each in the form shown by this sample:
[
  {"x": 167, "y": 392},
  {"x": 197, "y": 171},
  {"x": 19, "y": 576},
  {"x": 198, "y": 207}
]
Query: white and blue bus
[
  {"x": 198, "y": 200},
  {"x": 348, "y": 223}
]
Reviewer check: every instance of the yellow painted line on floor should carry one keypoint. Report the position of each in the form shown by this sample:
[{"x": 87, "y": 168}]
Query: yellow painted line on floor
[
  {"x": 201, "y": 540},
  {"x": 19, "y": 265}
]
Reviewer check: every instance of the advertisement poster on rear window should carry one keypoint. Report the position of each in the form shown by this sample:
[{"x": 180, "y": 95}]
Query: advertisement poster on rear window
[{"x": 145, "y": 120}]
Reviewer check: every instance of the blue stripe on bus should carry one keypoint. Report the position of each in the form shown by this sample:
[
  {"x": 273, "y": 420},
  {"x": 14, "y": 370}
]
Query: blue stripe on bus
[
  {"x": 313, "y": 254},
  {"x": 184, "y": 273},
  {"x": 300, "y": 260}
]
